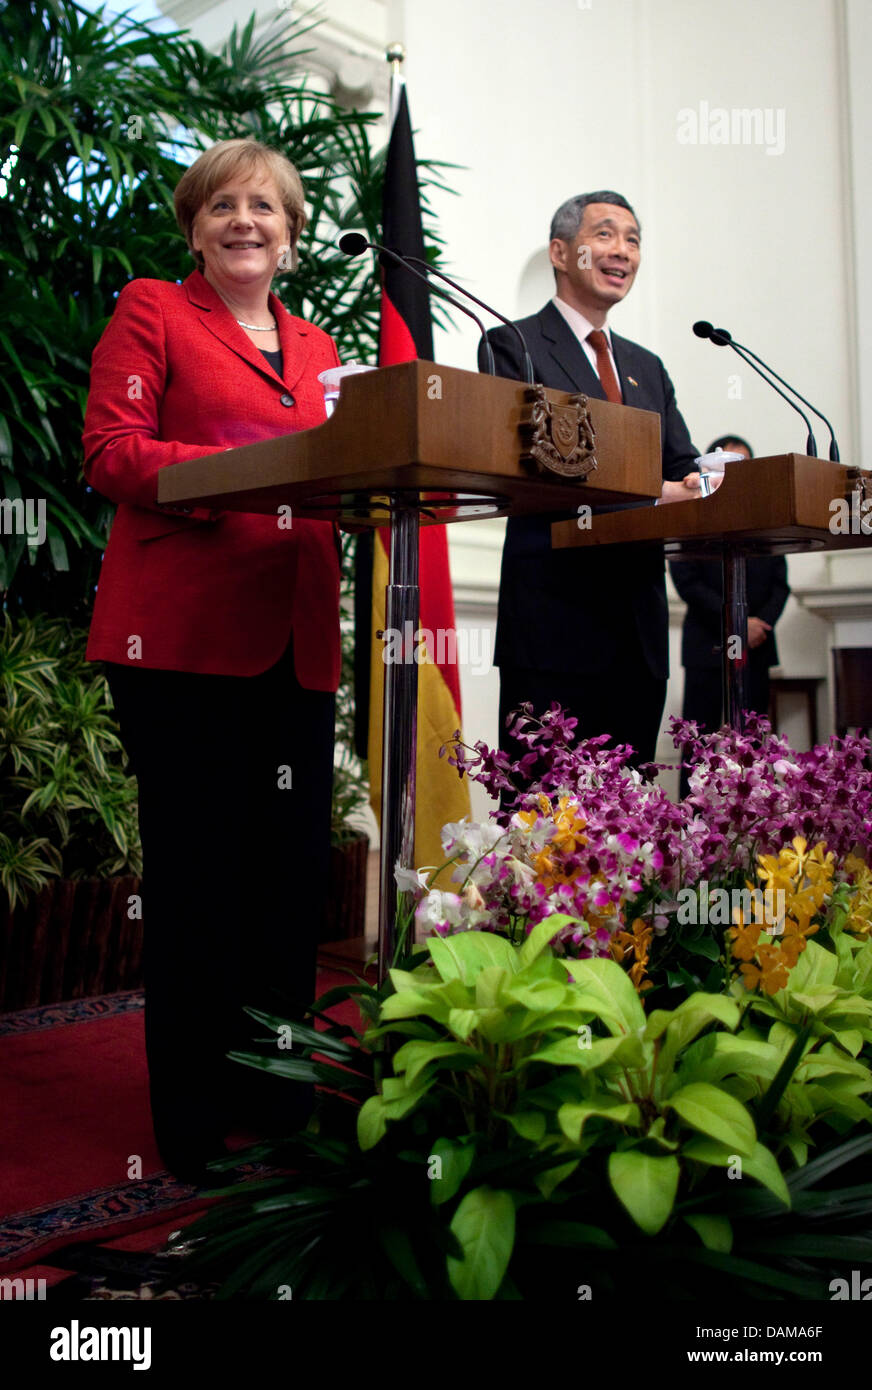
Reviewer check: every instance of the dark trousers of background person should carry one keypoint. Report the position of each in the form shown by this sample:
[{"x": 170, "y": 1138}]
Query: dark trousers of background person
[
  {"x": 234, "y": 881},
  {"x": 626, "y": 703},
  {"x": 704, "y": 701}
]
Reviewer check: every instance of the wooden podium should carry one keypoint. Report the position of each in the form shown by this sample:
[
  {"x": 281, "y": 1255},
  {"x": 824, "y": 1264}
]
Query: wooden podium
[
  {"x": 410, "y": 444},
  {"x": 419, "y": 428},
  {"x": 774, "y": 505}
]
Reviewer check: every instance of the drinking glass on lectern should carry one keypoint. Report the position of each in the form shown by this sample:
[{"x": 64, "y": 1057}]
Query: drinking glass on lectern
[
  {"x": 711, "y": 469},
  {"x": 331, "y": 380}
]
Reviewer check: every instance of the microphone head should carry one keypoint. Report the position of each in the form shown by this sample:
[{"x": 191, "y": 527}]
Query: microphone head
[
  {"x": 720, "y": 337},
  {"x": 352, "y": 243},
  {"x": 703, "y": 329}
]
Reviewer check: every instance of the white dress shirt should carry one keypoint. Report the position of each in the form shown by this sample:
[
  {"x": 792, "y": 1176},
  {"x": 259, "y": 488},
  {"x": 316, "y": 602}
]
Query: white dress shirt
[{"x": 581, "y": 327}]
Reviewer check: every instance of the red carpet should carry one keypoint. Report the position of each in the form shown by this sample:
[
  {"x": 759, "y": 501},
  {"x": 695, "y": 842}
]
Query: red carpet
[{"x": 77, "y": 1155}]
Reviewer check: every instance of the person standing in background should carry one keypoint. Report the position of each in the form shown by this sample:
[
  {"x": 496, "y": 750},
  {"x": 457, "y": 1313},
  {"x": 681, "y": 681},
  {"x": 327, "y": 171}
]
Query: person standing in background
[{"x": 700, "y": 584}]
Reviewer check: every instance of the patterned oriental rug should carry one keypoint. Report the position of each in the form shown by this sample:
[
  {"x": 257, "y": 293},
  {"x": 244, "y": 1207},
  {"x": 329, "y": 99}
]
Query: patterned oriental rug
[{"x": 75, "y": 1119}]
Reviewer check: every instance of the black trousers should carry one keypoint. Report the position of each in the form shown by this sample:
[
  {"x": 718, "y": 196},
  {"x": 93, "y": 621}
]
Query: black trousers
[
  {"x": 704, "y": 701},
  {"x": 235, "y": 786},
  {"x": 628, "y": 704}
]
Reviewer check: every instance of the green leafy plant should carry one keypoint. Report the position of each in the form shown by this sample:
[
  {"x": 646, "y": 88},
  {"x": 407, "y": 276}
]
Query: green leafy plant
[
  {"x": 510, "y": 1115},
  {"x": 820, "y": 1037},
  {"x": 829, "y": 993},
  {"x": 67, "y": 805},
  {"x": 498, "y": 1023}
]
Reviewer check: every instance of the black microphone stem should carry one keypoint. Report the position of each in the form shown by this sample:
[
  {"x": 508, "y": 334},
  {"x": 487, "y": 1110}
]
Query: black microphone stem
[
  {"x": 431, "y": 270},
  {"x": 834, "y": 448},
  {"x": 722, "y": 341},
  {"x": 449, "y": 298}
]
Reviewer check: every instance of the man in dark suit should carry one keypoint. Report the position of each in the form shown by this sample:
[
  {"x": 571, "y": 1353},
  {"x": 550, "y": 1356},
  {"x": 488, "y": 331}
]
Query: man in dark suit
[
  {"x": 700, "y": 584},
  {"x": 590, "y": 628}
]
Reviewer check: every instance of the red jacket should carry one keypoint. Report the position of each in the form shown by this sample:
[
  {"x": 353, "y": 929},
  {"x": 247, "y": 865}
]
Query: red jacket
[{"x": 174, "y": 377}]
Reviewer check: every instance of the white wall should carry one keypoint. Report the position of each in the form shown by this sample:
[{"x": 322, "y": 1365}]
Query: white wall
[
  {"x": 540, "y": 102},
  {"x": 857, "y": 46}
]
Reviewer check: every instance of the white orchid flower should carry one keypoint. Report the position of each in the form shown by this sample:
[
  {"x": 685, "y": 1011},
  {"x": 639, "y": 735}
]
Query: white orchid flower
[{"x": 413, "y": 880}]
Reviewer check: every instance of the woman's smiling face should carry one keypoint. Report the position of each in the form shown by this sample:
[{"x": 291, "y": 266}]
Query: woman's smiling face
[{"x": 241, "y": 230}]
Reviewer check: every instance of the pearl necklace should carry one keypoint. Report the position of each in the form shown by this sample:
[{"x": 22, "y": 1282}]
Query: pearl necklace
[{"x": 258, "y": 327}]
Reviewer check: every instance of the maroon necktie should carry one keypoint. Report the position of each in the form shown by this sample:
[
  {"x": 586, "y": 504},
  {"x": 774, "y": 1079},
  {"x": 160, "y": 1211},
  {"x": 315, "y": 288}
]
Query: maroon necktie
[{"x": 609, "y": 382}]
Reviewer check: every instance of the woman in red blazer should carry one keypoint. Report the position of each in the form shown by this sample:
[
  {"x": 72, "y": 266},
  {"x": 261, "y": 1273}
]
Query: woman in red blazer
[{"x": 220, "y": 634}]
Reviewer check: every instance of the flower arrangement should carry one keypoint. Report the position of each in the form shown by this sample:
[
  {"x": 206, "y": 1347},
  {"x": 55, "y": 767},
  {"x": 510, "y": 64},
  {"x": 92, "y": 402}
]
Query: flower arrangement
[
  {"x": 581, "y": 833},
  {"x": 591, "y": 1045},
  {"x": 512, "y": 1115}
]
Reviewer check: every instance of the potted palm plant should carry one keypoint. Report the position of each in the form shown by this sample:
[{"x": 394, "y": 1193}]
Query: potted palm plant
[
  {"x": 100, "y": 114},
  {"x": 69, "y": 848}
]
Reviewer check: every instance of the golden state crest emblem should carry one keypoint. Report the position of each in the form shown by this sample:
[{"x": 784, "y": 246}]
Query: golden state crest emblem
[{"x": 563, "y": 437}]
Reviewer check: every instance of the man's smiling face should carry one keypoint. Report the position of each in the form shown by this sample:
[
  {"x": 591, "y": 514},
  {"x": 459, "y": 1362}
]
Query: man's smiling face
[{"x": 597, "y": 269}]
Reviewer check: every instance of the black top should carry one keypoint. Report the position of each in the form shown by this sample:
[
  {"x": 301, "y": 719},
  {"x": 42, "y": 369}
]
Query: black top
[{"x": 274, "y": 359}]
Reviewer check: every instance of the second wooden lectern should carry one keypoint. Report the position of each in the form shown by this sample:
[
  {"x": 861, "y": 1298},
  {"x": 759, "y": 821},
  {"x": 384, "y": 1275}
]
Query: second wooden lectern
[{"x": 774, "y": 505}]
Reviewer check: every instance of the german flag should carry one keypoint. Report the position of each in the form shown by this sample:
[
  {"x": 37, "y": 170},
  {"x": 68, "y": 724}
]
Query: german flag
[{"x": 405, "y": 334}]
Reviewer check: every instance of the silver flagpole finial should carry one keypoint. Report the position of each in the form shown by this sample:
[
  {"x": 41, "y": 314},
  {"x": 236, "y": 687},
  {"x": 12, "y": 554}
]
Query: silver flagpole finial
[{"x": 394, "y": 54}]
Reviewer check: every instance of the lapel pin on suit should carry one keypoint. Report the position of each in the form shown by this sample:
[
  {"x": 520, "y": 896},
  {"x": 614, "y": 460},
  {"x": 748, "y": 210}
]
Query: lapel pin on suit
[{"x": 632, "y": 381}]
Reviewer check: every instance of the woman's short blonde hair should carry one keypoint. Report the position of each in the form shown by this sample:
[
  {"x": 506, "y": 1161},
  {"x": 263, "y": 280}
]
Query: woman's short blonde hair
[{"x": 231, "y": 159}]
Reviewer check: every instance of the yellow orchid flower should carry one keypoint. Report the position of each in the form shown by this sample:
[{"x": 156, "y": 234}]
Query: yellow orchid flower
[
  {"x": 859, "y": 871},
  {"x": 820, "y": 864},
  {"x": 774, "y": 874},
  {"x": 636, "y": 942},
  {"x": 770, "y": 975},
  {"x": 804, "y": 903},
  {"x": 793, "y": 940},
  {"x": 859, "y": 919},
  {"x": 794, "y": 861},
  {"x": 745, "y": 937}
]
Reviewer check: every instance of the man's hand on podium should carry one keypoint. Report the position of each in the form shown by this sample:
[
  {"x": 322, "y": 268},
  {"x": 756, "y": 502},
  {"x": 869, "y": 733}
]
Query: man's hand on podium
[
  {"x": 687, "y": 488},
  {"x": 682, "y": 490}
]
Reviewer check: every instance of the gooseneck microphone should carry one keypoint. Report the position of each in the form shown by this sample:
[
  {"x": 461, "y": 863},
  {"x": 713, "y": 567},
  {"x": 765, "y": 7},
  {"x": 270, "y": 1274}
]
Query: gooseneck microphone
[
  {"x": 721, "y": 337},
  {"x": 431, "y": 270},
  {"x": 834, "y": 448},
  {"x": 354, "y": 244}
]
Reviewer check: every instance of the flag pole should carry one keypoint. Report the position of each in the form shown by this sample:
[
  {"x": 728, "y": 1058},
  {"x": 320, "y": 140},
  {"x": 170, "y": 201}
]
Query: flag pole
[{"x": 400, "y": 714}]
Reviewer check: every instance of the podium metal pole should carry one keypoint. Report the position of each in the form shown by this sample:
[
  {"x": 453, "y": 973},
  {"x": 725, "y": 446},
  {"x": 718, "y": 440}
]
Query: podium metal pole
[
  {"x": 400, "y": 723},
  {"x": 734, "y": 635}
]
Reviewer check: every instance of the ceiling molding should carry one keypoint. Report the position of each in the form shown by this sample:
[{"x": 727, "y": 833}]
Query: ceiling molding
[
  {"x": 350, "y": 61},
  {"x": 837, "y": 605}
]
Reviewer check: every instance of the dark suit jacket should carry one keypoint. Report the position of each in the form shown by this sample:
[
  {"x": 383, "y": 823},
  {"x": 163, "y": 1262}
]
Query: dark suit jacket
[
  {"x": 570, "y": 610},
  {"x": 700, "y": 584}
]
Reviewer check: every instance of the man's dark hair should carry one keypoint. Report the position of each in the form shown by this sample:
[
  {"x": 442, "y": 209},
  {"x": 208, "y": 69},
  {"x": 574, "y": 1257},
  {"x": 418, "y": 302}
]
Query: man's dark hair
[
  {"x": 726, "y": 440},
  {"x": 570, "y": 215}
]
